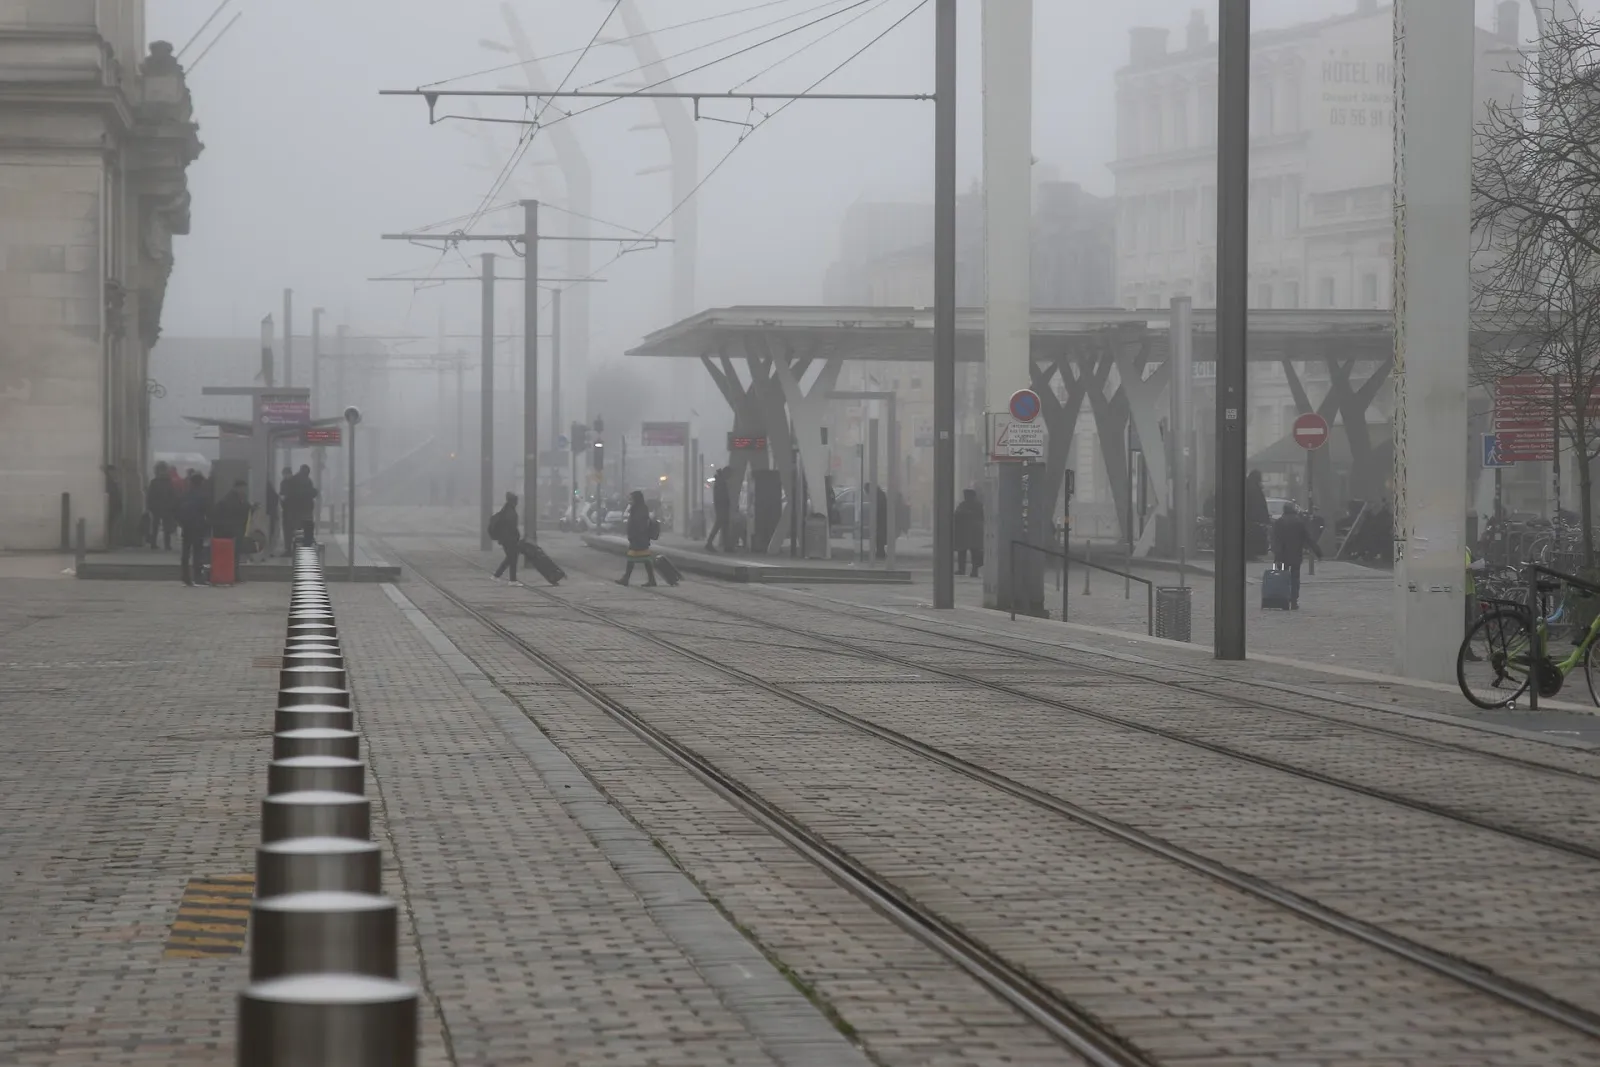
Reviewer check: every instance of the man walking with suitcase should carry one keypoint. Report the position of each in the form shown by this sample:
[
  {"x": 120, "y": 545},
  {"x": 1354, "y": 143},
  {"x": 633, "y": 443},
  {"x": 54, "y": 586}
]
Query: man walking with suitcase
[{"x": 1291, "y": 537}]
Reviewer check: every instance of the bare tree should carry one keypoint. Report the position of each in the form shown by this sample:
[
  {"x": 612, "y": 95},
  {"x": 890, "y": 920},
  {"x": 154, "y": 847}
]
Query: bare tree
[{"x": 1536, "y": 215}]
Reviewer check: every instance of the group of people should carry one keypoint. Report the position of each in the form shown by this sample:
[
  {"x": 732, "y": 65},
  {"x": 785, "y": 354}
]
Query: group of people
[
  {"x": 505, "y": 530},
  {"x": 295, "y": 502}
]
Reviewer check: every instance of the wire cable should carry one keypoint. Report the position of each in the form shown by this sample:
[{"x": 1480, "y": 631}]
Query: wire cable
[
  {"x": 724, "y": 40},
  {"x": 765, "y": 118},
  {"x": 619, "y": 40}
]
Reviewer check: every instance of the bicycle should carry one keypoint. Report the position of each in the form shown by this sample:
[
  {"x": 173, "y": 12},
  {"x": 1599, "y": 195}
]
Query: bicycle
[{"x": 1503, "y": 643}]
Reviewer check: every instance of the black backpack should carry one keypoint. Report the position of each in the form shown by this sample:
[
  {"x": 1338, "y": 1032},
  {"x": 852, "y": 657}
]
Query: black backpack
[{"x": 655, "y": 529}]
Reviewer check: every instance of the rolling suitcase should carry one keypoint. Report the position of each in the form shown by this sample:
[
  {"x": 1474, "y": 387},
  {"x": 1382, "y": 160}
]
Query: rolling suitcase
[
  {"x": 1275, "y": 589},
  {"x": 668, "y": 570},
  {"x": 548, "y": 568}
]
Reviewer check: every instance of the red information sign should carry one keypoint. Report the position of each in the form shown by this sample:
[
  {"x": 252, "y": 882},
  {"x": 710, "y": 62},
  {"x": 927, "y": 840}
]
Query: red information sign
[
  {"x": 321, "y": 435},
  {"x": 746, "y": 444},
  {"x": 1524, "y": 418},
  {"x": 664, "y": 434},
  {"x": 1311, "y": 431}
]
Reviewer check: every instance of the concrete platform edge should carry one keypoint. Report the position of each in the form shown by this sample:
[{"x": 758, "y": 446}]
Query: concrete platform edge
[
  {"x": 759, "y": 573},
  {"x": 1462, "y": 721},
  {"x": 775, "y": 1012}
]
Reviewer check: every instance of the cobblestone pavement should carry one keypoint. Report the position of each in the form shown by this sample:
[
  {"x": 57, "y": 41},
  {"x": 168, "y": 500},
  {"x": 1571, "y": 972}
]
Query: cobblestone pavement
[
  {"x": 136, "y": 740},
  {"x": 547, "y": 935},
  {"x": 1173, "y": 960}
]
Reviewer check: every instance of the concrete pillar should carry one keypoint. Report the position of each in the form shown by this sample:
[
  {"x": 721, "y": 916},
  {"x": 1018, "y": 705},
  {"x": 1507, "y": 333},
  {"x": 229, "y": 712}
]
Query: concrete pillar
[
  {"x": 1014, "y": 505},
  {"x": 1433, "y": 144}
]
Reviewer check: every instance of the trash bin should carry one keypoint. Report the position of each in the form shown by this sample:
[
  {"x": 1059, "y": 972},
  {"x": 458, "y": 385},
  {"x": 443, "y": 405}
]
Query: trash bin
[
  {"x": 1172, "y": 612},
  {"x": 816, "y": 535}
]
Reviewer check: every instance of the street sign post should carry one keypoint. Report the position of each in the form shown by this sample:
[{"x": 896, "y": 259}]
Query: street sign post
[
  {"x": 1524, "y": 419},
  {"x": 1311, "y": 433},
  {"x": 1493, "y": 457},
  {"x": 1024, "y": 406}
]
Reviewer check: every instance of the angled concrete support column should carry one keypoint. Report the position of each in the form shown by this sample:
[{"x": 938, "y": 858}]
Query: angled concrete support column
[
  {"x": 1145, "y": 408},
  {"x": 807, "y": 408},
  {"x": 1434, "y": 62}
]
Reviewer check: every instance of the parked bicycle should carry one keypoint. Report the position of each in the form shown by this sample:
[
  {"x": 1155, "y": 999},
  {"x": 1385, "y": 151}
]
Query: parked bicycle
[{"x": 1494, "y": 663}]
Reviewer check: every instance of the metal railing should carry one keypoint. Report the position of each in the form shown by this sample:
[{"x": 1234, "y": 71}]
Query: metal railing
[
  {"x": 1066, "y": 584},
  {"x": 324, "y": 978}
]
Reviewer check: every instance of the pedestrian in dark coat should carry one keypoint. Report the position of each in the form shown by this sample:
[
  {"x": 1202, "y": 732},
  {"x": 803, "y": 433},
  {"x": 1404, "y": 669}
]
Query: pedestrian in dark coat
[
  {"x": 1257, "y": 519},
  {"x": 194, "y": 526},
  {"x": 113, "y": 505},
  {"x": 1291, "y": 539},
  {"x": 506, "y": 531},
  {"x": 641, "y": 531},
  {"x": 880, "y": 521},
  {"x": 286, "y": 508},
  {"x": 966, "y": 532},
  {"x": 721, "y": 509},
  {"x": 302, "y": 503},
  {"x": 161, "y": 501}
]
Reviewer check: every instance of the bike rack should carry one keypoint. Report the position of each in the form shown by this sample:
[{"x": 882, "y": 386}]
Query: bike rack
[{"x": 1540, "y": 644}]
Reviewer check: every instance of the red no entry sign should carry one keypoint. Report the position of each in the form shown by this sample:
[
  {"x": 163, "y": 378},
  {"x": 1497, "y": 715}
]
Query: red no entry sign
[{"x": 1311, "y": 431}]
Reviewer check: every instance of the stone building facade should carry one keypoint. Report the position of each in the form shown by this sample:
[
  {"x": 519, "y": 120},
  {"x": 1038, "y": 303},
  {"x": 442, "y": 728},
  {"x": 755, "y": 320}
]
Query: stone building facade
[{"x": 96, "y": 135}]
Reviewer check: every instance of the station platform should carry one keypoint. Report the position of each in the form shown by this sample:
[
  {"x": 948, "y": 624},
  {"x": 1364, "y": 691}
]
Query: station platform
[
  {"x": 757, "y": 824},
  {"x": 692, "y": 558},
  {"x": 158, "y": 565}
]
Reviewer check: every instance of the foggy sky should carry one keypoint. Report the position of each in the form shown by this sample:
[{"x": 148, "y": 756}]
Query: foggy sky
[{"x": 305, "y": 165}]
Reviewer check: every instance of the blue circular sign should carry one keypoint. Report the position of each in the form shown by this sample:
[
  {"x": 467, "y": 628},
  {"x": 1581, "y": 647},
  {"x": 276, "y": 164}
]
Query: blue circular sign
[{"x": 1024, "y": 405}]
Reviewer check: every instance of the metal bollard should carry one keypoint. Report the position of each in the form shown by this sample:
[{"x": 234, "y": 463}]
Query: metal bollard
[
  {"x": 313, "y": 864},
  {"x": 307, "y": 716},
  {"x": 328, "y": 1021},
  {"x": 310, "y": 774},
  {"x": 315, "y": 814},
  {"x": 82, "y": 554},
  {"x": 314, "y": 629},
  {"x": 295, "y": 677},
  {"x": 301, "y": 695},
  {"x": 311, "y": 643},
  {"x": 311, "y": 657},
  {"x": 317, "y": 741},
  {"x": 1088, "y": 559},
  {"x": 66, "y": 522},
  {"x": 325, "y": 932}
]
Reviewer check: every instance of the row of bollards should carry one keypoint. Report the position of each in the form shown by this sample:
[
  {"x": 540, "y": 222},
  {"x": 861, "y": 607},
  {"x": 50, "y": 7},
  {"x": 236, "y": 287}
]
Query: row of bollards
[{"x": 324, "y": 970}]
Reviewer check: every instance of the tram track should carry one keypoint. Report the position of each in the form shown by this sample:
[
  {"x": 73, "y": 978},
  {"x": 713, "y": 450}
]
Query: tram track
[
  {"x": 855, "y": 647},
  {"x": 1035, "y": 1000}
]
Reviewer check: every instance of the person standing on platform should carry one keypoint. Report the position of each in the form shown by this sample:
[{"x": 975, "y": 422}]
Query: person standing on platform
[
  {"x": 274, "y": 503},
  {"x": 161, "y": 501},
  {"x": 721, "y": 509},
  {"x": 1257, "y": 518},
  {"x": 967, "y": 532},
  {"x": 641, "y": 531},
  {"x": 113, "y": 506},
  {"x": 286, "y": 509},
  {"x": 303, "y": 494},
  {"x": 1290, "y": 540},
  {"x": 506, "y": 531},
  {"x": 194, "y": 526},
  {"x": 880, "y": 521}
]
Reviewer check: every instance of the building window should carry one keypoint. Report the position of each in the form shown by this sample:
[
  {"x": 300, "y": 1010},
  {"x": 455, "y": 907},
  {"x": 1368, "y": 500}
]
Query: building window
[
  {"x": 1264, "y": 296},
  {"x": 1325, "y": 292},
  {"x": 1180, "y": 120},
  {"x": 1291, "y": 294},
  {"x": 1182, "y": 204},
  {"x": 1210, "y": 293},
  {"x": 1152, "y": 126},
  {"x": 1369, "y": 290},
  {"x": 1291, "y": 204}
]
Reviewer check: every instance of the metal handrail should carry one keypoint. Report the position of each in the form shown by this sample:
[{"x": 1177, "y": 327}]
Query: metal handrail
[{"x": 1066, "y": 560}]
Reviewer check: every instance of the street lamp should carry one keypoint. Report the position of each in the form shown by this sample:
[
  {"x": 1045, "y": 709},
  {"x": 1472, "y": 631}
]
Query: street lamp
[{"x": 352, "y": 415}]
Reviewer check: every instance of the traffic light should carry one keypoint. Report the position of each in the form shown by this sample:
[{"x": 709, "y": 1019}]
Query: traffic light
[
  {"x": 599, "y": 454},
  {"x": 580, "y": 436}
]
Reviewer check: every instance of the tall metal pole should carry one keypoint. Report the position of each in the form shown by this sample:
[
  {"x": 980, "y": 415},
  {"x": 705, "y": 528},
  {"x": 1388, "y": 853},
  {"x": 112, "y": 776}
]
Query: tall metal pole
[
  {"x": 340, "y": 333},
  {"x": 486, "y": 406},
  {"x": 555, "y": 367},
  {"x": 350, "y": 502},
  {"x": 288, "y": 362},
  {"x": 944, "y": 303},
  {"x": 1233, "y": 198},
  {"x": 894, "y": 479},
  {"x": 1180, "y": 351},
  {"x": 317, "y": 454},
  {"x": 530, "y": 367},
  {"x": 288, "y": 337}
]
